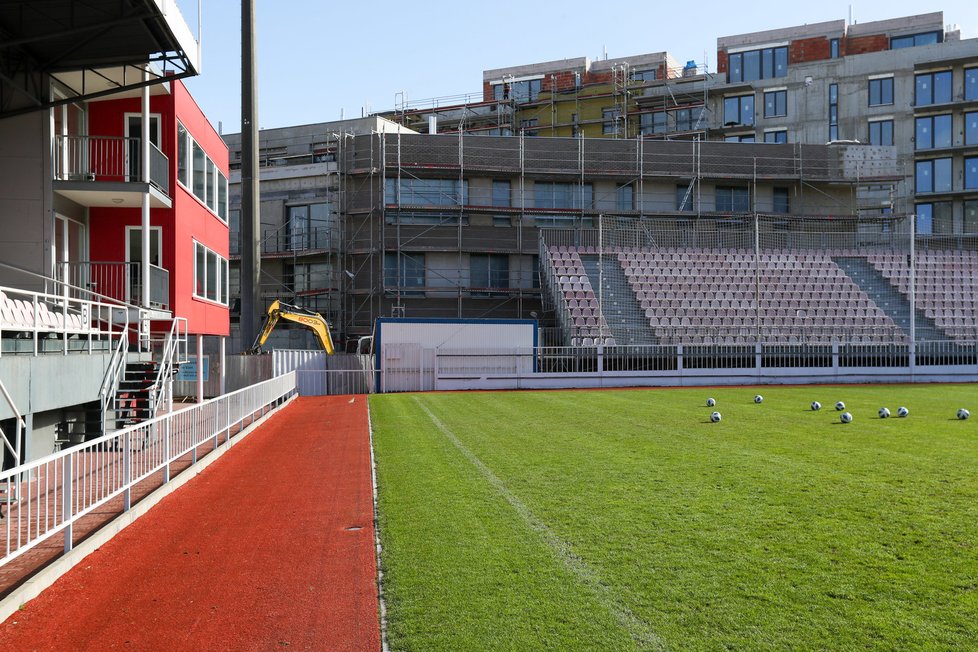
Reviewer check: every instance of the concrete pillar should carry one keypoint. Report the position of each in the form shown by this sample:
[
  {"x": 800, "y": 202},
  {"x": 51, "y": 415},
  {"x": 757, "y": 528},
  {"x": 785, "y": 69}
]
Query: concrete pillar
[
  {"x": 200, "y": 368},
  {"x": 222, "y": 360}
]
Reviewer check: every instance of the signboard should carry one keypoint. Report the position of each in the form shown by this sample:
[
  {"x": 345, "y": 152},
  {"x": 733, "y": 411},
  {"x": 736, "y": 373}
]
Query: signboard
[{"x": 188, "y": 370}]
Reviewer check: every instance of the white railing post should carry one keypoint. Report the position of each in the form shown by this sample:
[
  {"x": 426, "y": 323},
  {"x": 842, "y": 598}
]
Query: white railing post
[
  {"x": 67, "y": 511},
  {"x": 127, "y": 471},
  {"x": 166, "y": 450}
]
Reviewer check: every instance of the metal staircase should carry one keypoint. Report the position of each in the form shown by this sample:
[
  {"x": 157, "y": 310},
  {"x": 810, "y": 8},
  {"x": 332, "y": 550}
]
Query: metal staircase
[{"x": 619, "y": 305}]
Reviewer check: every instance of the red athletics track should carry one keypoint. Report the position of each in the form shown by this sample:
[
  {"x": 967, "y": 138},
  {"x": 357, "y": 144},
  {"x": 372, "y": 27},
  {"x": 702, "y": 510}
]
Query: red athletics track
[{"x": 253, "y": 554}]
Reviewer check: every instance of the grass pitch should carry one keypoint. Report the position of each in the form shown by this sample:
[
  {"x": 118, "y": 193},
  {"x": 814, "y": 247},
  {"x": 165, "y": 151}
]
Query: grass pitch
[{"x": 618, "y": 520}]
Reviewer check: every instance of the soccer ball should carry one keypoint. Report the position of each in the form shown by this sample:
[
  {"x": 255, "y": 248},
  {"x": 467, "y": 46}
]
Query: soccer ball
[
  {"x": 902, "y": 412},
  {"x": 840, "y": 406},
  {"x": 710, "y": 402},
  {"x": 715, "y": 417},
  {"x": 816, "y": 406},
  {"x": 758, "y": 399},
  {"x": 884, "y": 413},
  {"x": 846, "y": 417},
  {"x": 963, "y": 414}
]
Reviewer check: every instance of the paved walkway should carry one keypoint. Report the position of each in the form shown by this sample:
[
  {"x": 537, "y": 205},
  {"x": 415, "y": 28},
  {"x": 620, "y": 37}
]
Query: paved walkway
[{"x": 271, "y": 547}]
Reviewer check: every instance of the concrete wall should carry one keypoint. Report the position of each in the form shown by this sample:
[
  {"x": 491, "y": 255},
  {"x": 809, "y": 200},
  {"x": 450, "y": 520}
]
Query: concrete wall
[{"x": 26, "y": 221}]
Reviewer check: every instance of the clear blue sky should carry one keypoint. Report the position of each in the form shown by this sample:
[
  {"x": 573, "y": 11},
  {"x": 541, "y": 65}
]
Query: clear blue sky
[{"x": 319, "y": 58}]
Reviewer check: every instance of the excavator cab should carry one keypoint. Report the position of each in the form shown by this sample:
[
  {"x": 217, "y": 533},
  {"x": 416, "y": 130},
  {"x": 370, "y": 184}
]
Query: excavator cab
[{"x": 312, "y": 320}]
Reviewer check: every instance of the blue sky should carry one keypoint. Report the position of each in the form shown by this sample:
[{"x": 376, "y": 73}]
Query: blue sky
[{"x": 318, "y": 59}]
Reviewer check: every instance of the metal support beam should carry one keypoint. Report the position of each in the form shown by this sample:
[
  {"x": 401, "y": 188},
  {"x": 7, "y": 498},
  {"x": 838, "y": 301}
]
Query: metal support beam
[{"x": 250, "y": 190}]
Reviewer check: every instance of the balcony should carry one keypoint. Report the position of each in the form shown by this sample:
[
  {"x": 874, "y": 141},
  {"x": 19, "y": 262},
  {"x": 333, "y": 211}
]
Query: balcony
[
  {"x": 280, "y": 242},
  {"x": 120, "y": 281},
  {"x": 107, "y": 171}
]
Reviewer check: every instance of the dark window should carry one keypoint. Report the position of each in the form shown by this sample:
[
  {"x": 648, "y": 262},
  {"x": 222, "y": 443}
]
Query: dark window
[
  {"x": 780, "y": 136},
  {"x": 881, "y": 132},
  {"x": 488, "y": 271},
  {"x": 684, "y": 202},
  {"x": 730, "y": 199},
  {"x": 182, "y": 154},
  {"x": 913, "y": 40},
  {"x": 527, "y": 126},
  {"x": 881, "y": 91},
  {"x": 834, "y": 48},
  {"x": 625, "y": 198},
  {"x": 740, "y": 138},
  {"x": 610, "y": 117},
  {"x": 971, "y": 173},
  {"x": 520, "y": 91},
  {"x": 738, "y": 110},
  {"x": 971, "y": 216},
  {"x": 933, "y": 176},
  {"x": 780, "y": 200},
  {"x": 643, "y": 75},
  {"x": 775, "y": 104},
  {"x": 752, "y": 65},
  {"x": 833, "y": 111},
  {"x": 971, "y": 128},
  {"x": 500, "y": 193},
  {"x": 562, "y": 195},
  {"x": 932, "y": 132},
  {"x": 971, "y": 83},
  {"x": 932, "y": 88},
  {"x": 427, "y": 192},
  {"x": 404, "y": 271}
]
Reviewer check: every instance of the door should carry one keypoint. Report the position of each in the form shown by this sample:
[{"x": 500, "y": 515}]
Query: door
[
  {"x": 134, "y": 258},
  {"x": 134, "y": 133},
  {"x": 70, "y": 247}
]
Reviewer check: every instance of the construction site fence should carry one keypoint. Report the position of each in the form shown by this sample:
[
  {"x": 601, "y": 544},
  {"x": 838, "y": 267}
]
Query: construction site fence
[{"x": 49, "y": 496}]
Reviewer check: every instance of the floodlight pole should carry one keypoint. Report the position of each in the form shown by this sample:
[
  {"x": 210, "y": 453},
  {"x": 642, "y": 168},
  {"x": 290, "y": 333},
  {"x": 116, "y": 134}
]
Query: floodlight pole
[{"x": 250, "y": 181}]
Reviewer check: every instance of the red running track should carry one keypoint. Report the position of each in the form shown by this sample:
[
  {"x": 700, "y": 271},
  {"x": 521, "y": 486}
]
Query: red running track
[{"x": 255, "y": 553}]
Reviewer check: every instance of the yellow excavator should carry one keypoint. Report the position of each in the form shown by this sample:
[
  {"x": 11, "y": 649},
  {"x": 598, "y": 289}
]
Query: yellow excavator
[{"x": 312, "y": 320}]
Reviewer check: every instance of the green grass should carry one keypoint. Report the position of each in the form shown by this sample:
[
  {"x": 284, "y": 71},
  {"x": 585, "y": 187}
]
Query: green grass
[{"x": 615, "y": 520}]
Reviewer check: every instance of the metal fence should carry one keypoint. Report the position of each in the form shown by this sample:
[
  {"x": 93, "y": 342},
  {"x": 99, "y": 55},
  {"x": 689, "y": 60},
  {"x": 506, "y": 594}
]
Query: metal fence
[{"x": 50, "y": 495}]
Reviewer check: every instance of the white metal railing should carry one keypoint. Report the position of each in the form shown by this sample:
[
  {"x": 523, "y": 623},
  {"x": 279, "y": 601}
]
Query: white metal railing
[
  {"x": 75, "y": 324},
  {"x": 113, "y": 375},
  {"x": 56, "y": 491},
  {"x": 107, "y": 158},
  {"x": 175, "y": 346},
  {"x": 122, "y": 281}
]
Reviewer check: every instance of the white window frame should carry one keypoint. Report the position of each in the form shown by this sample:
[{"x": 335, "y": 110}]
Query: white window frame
[
  {"x": 222, "y": 277},
  {"x": 220, "y": 177}
]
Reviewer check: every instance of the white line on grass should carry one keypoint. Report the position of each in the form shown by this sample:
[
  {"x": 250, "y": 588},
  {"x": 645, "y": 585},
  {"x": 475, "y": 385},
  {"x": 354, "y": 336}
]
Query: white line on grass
[{"x": 637, "y": 628}]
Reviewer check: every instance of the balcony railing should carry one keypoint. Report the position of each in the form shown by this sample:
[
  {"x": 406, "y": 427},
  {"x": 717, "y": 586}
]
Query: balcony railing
[
  {"x": 108, "y": 158},
  {"x": 282, "y": 241},
  {"x": 119, "y": 280}
]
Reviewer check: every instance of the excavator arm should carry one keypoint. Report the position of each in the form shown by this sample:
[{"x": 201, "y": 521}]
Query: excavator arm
[{"x": 311, "y": 320}]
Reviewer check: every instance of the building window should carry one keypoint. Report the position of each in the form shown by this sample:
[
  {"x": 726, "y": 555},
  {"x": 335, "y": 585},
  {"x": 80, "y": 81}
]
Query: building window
[
  {"x": 913, "y": 40},
  {"x": 971, "y": 216},
  {"x": 643, "y": 75},
  {"x": 934, "y": 218},
  {"x": 404, "y": 270},
  {"x": 752, "y": 65},
  {"x": 971, "y": 83},
  {"x": 881, "y": 91},
  {"x": 199, "y": 174},
  {"x": 427, "y": 192},
  {"x": 739, "y": 138},
  {"x": 932, "y": 88},
  {"x": 932, "y": 132},
  {"x": 834, "y": 48},
  {"x": 775, "y": 104},
  {"x": 732, "y": 199},
  {"x": 738, "y": 110},
  {"x": 971, "y": 173},
  {"x": 519, "y": 91},
  {"x": 777, "y": 136},
  {"x": 311, "y": 277},
  {"x": 562, "y": 195},
  {"x": 971, "y": 128},
  {"x": 500, "y": 193},
  {"x": 210, "y": 275},
  {"x": 933, "y": 176},
  {"x": 881, "y": 132},
  {"x": 527, "y": 126},
  {"x": 780, "y": 201},
  {"x": 833, "y": 112},
  {"x": 611, "y": 118},
  {"x": 182, "y": 154},
  {"x": 308, "y": 227},
  {"x": 685, "y": 197},
  {"x": 625, "y": 197},
  {"x": 488, "y": 271}
]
